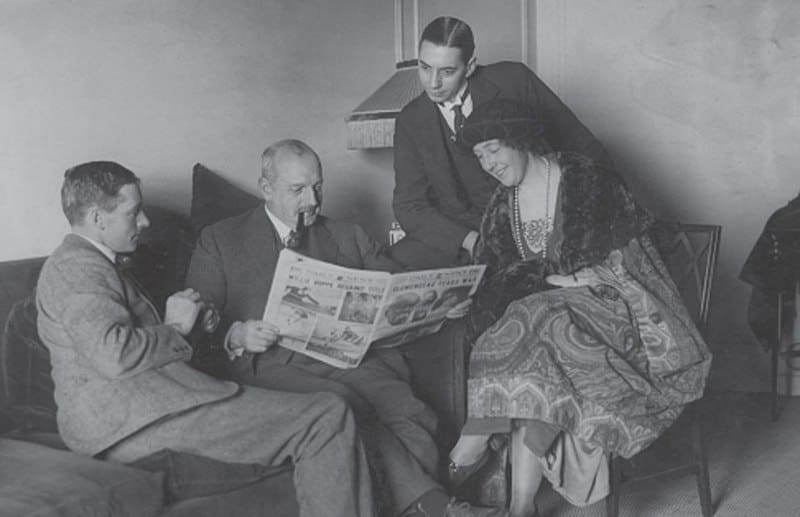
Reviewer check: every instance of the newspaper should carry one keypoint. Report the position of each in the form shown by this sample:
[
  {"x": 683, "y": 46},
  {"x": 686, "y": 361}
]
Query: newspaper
[{"x": 334, "y": 314}]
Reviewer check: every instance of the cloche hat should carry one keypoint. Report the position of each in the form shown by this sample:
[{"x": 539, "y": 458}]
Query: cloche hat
[{"x": 500, "y": 119}]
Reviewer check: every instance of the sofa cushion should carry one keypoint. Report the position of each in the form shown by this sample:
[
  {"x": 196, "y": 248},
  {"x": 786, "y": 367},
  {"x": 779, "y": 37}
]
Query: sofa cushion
[
  {"x": 25, "y": 365},
  {"x": 162, "y": 256},
  {"x": 40, "y": 481},
  {"x": 214, "y": 198}
]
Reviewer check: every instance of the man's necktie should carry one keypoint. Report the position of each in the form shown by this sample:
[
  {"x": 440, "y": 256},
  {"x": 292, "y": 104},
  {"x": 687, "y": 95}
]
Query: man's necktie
[
  {"x": 295, "y": 238},
  {"x": 458, "y": 119},
  {"x": 125, "y": 266},
  {"x": 123, "y": 261}
]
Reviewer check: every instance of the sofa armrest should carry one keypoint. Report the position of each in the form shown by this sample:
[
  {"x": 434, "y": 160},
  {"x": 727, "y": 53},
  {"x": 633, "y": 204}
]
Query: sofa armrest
[
  {"x": 27, "y": 396},
  {"x": 17, "y": 280},
  {"x": 48, "y": 482}
]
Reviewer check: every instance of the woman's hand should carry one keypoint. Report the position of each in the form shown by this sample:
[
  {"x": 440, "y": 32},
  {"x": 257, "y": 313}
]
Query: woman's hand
[
  {"x": 582, "y": 277},
  {"x": 460, "y": 310}
]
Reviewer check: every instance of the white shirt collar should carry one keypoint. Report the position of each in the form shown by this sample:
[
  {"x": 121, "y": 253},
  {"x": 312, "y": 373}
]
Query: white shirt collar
[
  {"x": 446, "y": 108},
  {"x": 102, "y": 248},
  {"x": 281, "y": 227}
]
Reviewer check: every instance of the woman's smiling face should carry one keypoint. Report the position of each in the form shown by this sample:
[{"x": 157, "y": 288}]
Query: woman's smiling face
[{"x": 506, "y": 164}]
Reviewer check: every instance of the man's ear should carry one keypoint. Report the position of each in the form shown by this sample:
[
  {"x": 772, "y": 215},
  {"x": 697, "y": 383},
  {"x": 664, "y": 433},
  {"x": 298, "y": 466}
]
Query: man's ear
[
  {"x": 94, "y": 217},
  {"x": 472, "y": 64},
  {"x": 265, "y": 187}
]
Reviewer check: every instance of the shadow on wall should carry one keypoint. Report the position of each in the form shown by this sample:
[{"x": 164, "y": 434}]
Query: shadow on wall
[{"x": 363, "y": 196}]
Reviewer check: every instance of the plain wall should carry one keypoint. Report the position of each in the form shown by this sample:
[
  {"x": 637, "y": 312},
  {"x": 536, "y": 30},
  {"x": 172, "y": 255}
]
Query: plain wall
[
  {"x": 698, "y": 103},
  {"x": 159, "y": 86}
]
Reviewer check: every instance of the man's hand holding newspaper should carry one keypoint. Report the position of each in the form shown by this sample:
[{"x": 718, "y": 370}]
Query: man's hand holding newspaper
[{"x": 335, "y": 314}]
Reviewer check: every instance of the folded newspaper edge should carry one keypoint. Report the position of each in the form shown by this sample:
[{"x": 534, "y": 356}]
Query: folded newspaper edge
[{"x": 335, "y": 314}]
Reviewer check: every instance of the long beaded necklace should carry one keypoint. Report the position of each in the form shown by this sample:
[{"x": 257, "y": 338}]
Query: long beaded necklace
[{"x": 517, "y": 231}]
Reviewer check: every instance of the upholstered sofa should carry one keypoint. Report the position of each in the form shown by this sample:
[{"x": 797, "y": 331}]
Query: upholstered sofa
[{"x": 38, "y": 476}]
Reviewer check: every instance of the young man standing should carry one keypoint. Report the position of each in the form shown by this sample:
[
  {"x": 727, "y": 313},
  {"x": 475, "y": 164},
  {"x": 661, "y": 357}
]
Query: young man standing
[{"x": 440, "y": 189}]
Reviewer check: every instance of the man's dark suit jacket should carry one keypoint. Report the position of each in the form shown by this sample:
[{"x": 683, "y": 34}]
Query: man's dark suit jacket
[
  {"x": 441, "y": 191},
  {"x": 235, "y": 259}
]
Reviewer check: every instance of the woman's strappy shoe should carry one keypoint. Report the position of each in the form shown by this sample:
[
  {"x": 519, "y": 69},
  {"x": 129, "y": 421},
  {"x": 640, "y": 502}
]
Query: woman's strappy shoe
[{"x": 458, "y": 474}]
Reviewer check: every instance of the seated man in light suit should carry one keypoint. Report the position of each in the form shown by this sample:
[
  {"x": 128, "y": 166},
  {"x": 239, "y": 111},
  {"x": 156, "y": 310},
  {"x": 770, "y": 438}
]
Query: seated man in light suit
[
  {"x": 233, "y": 266},
  {"x": 124, "y": 389}
]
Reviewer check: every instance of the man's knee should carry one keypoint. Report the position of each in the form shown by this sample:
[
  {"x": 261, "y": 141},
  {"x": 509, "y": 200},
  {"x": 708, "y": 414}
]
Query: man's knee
[{"x": 333, "y": 411}]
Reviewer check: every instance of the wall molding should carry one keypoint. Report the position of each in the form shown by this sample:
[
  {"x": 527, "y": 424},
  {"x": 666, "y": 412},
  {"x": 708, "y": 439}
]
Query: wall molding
[{"x": 550, "y": 19}]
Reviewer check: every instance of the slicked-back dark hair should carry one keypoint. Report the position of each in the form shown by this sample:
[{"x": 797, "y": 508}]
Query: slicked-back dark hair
[
  {"x": 93, "y": 184},
  {"x": 450, "y": 32}
]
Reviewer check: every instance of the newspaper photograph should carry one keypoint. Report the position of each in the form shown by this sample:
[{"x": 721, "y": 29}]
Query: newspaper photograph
[
  {"x": 417, "y": 302},
  {"x": 334, "y": 314}
]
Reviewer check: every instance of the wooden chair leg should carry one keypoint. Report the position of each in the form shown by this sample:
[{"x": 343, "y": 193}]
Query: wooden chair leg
[
  {"x": 460, "y": 362},
  {"x": 615, "y": 485},
  {"x": 701, "y": 457}
]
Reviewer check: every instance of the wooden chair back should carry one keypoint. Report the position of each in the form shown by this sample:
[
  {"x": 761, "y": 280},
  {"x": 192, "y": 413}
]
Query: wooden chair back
[{"x": 690, "y": 252}]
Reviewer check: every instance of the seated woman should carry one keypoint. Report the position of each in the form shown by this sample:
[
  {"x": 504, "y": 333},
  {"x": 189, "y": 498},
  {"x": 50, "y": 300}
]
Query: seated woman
[{"x": 582, "y": 344}]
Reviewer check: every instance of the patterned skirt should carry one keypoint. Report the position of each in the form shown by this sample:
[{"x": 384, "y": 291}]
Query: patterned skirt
[{"x": 613, "y": 365}]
